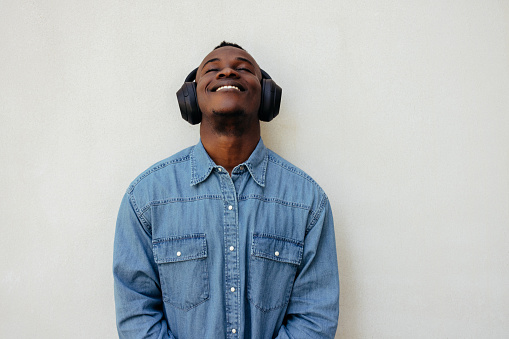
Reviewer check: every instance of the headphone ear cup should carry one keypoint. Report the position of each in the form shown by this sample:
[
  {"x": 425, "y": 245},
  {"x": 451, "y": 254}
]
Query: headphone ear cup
[
  {"x": 188, "y": 103},
  {"x": 270, "y": 101}
]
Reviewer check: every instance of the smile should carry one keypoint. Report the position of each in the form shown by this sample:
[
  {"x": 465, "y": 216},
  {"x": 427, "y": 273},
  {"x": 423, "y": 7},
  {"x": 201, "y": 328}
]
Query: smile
[{"x": 227, "y": 87}]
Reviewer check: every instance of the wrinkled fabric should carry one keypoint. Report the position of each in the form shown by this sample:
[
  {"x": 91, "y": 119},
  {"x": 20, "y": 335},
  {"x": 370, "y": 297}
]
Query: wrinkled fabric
[{"x": 202, "y": 254}]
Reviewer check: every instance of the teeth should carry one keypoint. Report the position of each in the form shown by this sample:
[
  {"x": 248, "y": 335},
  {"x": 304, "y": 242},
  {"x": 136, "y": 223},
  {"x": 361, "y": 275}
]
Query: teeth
[{"x": 227, "y": 87}]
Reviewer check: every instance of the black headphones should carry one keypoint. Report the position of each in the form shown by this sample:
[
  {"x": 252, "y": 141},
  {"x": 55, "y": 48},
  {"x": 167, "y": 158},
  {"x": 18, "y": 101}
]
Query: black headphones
[{"x": 188, "y": 101}]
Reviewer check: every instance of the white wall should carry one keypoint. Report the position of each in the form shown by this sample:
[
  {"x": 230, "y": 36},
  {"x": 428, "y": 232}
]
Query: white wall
[{"x": 399, "y": 109}]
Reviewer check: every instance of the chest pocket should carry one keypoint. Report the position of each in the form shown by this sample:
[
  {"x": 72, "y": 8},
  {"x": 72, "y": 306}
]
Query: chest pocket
[
  {"x": 272, "y": 267},
  {"x": 183, "y": 271}
]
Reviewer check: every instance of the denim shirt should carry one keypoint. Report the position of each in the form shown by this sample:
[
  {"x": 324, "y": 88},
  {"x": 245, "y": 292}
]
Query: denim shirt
[{"x": 202, "y": 254}]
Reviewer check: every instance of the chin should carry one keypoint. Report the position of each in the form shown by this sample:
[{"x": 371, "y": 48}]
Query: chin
[
  {"x": 231, "y": 122},
  {"x": 229, "y": 113}
]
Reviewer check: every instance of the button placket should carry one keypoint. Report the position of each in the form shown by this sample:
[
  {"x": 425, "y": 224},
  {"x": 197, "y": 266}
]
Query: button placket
[{"x": 232, "y": 274}]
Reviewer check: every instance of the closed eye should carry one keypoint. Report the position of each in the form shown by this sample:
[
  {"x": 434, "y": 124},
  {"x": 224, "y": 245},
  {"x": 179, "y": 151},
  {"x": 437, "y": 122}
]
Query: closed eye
[
  {"x": 244, "y": 69},
  {"x": 211, "y": 70}
]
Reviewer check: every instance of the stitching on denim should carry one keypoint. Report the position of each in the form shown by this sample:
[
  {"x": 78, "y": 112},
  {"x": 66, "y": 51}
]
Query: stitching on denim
[
  {"x": 271, "y": 258},
  {"x": 319, "y": 211},
  {"x": 277, "y": 237},
  {"x": 185, "y": 309},
  {"x": 292, "y": 169},
  {"x": 263, "y": 309},
  {"x": 200, "y": 255},
  {"x": 274, "y": 200},
  {"x": 193, "y": 161},
  {"x": 180, "y": 237},
  {"x": 253, "y": 175},
  {"x": 260, "y": 181},
  {"x": 263, "y": 163},
  {"x": 167, "y": 260},
  {"x": 205, "y": 176},
  {"x": 148, "y": 227},
  {"x": 195, "y": 180},
  {"x": 155, "y": 169},
  {"x": 182, "y": 199},
  {"x": 284, "y": 259},
  {"x": 165, "y": 299}
]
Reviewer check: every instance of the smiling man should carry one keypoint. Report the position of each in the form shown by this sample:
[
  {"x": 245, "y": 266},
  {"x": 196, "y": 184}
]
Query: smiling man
[{"x": 226, "y": 239}]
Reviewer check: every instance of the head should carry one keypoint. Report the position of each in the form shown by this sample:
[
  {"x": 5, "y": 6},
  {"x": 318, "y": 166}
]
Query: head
[
  {"x": 228, "y": 87},
  {"x": 187, "y": 96}
]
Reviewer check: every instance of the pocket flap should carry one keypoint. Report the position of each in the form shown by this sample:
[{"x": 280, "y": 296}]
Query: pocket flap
[
  {"x": 180, "y": 248},
  {"x": 277, "y": 248}
]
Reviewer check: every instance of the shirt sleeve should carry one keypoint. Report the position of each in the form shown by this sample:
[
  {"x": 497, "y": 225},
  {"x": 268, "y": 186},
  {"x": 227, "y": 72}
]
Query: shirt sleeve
[
  {"x": 313, "y": 309},
  {"x": 138, "y": 300}
]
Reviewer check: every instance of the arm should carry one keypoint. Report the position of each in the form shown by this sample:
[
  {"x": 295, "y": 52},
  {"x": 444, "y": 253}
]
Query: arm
[
  {"x": 313, "y": 308},
  {"x": 138, "y": 300}
]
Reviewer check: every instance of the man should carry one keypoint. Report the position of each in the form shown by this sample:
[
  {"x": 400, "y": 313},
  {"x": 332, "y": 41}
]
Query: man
[{"x": 226, "y": 239}]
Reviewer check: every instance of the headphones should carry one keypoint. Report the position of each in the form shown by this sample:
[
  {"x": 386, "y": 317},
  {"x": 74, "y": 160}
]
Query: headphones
[{"x": 188, "y": 101}]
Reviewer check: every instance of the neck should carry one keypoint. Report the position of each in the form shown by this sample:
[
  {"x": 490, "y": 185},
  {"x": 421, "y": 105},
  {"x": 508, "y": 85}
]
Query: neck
[{"x": 229, "y": 150}]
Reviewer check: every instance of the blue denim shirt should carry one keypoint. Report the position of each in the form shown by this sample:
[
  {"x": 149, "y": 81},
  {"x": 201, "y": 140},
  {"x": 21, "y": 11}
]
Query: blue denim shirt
[{"x": 202, "y": 254}]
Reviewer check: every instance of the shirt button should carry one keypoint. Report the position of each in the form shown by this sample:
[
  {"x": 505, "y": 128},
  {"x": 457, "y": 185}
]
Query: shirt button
[
  {"x": 232, "y": 248},
  {"x": 232, "y": 289},
  {"x": 179, "y": 254},
  {"x": 241, "y": 168},
  {"x": 276, "y": 254},
  {"x": 230, "y": 207},
  {"x": 234, "y": 331},
  {"x": 219, "y": 170}
]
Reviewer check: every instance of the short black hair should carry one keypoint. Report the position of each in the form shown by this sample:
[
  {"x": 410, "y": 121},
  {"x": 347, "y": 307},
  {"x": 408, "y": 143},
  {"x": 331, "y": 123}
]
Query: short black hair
[{"x": 230, "y": 44}]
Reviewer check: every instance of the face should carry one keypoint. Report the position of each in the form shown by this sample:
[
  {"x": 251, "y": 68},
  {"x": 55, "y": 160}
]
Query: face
[{"x": 228, "y": 82}]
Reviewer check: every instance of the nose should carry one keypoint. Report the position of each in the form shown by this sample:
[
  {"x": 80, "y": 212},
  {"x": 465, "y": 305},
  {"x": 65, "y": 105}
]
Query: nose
[{"x": 227, "y": 72}]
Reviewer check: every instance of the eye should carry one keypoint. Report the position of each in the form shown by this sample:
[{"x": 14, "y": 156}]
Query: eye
[
  {"x": 244, "y": 69},
  {"x": 211, "y": 70}
]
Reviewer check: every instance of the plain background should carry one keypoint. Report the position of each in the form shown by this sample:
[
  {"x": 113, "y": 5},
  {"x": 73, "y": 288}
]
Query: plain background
[{"x": 398, "y": 109}]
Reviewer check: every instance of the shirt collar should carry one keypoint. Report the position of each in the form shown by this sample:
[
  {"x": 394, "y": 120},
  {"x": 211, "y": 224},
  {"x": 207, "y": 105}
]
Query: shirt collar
[{"x": 202, "y": 165}]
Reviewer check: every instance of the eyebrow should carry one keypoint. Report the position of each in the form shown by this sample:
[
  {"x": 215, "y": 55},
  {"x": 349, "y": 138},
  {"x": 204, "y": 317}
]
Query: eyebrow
[
  {"x": 238, "y": 58},
  {"x": 211, "y": 60}
]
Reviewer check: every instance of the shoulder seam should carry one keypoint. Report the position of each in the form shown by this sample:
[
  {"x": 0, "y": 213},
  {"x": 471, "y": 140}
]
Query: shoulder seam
[
  {"x": 294, "y": 170},
  {"x": 145, "y": 223},
  {"x": 316, "y": 215},
  {"x": 155, "y": 169}
]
